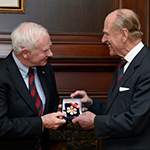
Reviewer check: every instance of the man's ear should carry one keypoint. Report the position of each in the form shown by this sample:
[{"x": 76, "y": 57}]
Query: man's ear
[
  {"x": 125, "y": 34},
  {"x": 24, "y": 53}
]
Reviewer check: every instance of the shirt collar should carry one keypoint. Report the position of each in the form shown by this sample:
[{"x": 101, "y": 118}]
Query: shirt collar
[
  {"x": 130, "y": 56},
  {"x": 23, "y": 69}
]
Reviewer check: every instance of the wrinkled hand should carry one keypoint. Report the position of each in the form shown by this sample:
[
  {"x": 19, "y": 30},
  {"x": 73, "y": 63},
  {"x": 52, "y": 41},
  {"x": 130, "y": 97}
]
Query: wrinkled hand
[
  {"x": 53, "y": 120},
  {"x": 86, "y": 101},
  {"x": 85, "y": 120}
]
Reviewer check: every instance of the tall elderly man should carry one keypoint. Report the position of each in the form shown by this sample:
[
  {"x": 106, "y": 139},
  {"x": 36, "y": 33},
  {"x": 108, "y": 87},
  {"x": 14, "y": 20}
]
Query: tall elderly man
[{"x": 124, "y": 122}]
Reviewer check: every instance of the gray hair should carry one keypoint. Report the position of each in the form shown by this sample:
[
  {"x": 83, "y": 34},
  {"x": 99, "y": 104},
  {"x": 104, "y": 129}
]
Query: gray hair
[
  {"x": 128, "y": 19},
  {"x": 26, "y": 36}
]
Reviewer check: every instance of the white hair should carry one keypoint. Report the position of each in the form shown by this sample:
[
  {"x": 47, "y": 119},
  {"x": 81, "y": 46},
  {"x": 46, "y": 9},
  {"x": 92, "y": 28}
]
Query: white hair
[{"x": 26, "y": 36}]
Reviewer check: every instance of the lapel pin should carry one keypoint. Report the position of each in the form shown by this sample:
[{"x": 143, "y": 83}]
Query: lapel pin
[{"x": 43, "y": 72}]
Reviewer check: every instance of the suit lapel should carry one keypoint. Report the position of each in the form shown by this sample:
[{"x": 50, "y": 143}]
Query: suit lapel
[
  {"x": 18, "y": 82},
  {"x": 130, "y": 70},
  {"x": 113, "y": 83},
  {"x": 42, "y": 74},
  {"x": 112, "y": 96}
]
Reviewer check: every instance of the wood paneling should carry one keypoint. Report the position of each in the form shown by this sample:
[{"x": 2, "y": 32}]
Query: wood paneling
[
  {"x": 81, "y": 61},
  {"x": 61, "y": 16}
]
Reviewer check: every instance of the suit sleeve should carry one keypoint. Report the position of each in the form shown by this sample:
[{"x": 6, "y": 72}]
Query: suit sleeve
[{"x": 98, "y": 107}]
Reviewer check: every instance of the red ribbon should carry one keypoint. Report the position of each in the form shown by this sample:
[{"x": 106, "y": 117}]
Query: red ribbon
[{"x": 75, "y": 105}]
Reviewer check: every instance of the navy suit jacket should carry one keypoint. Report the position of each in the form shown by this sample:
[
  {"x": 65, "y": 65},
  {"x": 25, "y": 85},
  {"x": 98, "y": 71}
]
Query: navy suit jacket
[
  {"x": 20, "y": 125},
  {"x": 124, "y": 122}
]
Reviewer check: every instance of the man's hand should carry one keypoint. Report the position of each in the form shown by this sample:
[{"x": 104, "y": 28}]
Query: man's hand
[
  {"x": 86, "y": 101},
  {"x": 85, "y": 120},
  {"x": 53, "y": 120}
]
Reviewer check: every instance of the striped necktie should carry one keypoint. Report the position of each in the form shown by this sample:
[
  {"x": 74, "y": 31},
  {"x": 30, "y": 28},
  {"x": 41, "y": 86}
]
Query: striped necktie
[
  {"x": 120, "y": 71},
  {"x": 35, "y": 96}
]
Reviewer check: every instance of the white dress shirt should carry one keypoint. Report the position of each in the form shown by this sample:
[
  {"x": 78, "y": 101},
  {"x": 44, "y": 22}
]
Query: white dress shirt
[
  {"x": 130, "y": 56},
  {"x": 24, "y": 72}
]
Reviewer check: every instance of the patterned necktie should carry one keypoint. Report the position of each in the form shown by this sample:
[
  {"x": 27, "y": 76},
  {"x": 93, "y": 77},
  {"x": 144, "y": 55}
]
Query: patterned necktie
[
  {"x": 120, "y": 71},
  {"x": 35, "y": 96}
]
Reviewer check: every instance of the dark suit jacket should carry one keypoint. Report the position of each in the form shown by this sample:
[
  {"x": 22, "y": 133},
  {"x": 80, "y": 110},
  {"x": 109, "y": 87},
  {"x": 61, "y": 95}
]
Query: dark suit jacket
[
  {"x": 124, "y": 122},
  {"x": 20, "y": 125}
]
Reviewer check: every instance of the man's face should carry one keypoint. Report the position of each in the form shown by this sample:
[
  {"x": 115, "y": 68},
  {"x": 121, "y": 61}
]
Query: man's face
[
  {"x": 112, "y": 38},
  {"x": 39, "y": 56}
]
